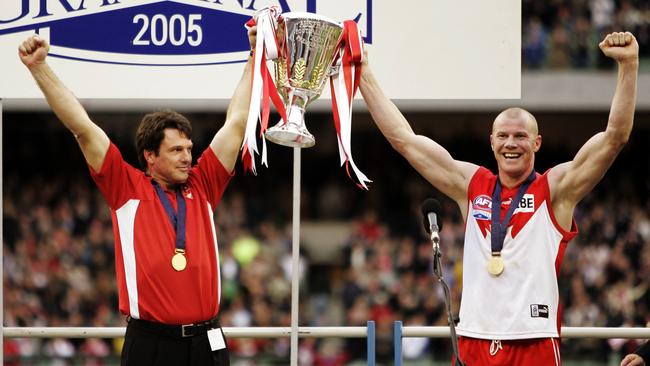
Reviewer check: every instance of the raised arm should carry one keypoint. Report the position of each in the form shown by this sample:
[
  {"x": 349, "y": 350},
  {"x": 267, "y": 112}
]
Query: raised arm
[
  {"x": 571, "y": 181},
  {"x": 430, "y": 159},
  {"x": 228, "y": 140},
  {"x": 92, "y": 139}
]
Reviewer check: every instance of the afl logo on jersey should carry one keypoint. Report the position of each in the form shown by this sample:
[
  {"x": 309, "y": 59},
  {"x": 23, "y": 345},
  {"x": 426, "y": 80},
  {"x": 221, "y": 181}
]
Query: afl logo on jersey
[{"x": 482, "y": 207}]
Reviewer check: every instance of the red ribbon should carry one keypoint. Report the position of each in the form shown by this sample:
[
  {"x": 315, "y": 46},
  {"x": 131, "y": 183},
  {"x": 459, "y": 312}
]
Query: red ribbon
[
  {"x": 269, "y": 94},
  {"x": 352, "y": 47}
]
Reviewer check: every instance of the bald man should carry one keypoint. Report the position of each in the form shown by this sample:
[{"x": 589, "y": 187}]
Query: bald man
[{"x": 518, "y": 222}]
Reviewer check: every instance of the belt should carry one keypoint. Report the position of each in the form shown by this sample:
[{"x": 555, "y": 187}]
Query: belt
[{"x": 177, "y": 331}]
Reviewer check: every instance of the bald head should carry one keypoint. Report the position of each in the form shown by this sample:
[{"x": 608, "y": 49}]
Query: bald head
[
  {"x": 515, "y": 113},
  {"x": 514, "y": 141}
]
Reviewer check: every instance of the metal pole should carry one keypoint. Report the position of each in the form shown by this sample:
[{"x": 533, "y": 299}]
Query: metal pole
[
  {"x": 295, "y": 257},
  {"x": 397, "y": 342},
  {"x": 230, "y": 332},
  {"x": 370, "y": 339},
  {"x": 2, "y": 320},
  {"x": 309, "y": 332},
  {"x": 437, "y": 269}
]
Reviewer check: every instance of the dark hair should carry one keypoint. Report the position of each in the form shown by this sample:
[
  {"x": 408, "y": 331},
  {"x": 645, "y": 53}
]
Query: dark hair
[{"x": 151, "y": 131}]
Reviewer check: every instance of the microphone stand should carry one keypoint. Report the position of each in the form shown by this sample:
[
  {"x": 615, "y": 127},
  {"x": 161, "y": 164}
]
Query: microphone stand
[{"x": 437, "y": 269}]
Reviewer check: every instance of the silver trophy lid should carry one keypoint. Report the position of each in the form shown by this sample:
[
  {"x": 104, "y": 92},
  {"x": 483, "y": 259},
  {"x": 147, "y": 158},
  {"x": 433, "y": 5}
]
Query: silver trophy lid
[{"x": 303, "y": 15}]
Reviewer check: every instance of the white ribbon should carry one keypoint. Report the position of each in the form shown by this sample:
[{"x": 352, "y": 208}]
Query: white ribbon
[
  {"x": 266, "y": 21},
  {"x": 344, "y": 110}
]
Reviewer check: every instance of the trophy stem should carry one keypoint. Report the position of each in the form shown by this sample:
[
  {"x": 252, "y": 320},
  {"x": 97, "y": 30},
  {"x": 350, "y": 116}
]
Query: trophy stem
[
  {"x": 296, "y": 115},
  {"x": 294, "y": 133}
]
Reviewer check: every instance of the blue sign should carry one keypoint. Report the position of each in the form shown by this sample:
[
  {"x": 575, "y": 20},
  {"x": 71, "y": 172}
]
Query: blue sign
[{"x": 154, "y": 33}]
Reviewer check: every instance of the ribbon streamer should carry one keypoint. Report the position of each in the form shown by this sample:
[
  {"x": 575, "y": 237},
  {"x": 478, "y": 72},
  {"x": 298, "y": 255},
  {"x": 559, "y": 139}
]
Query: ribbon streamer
[
  {"x": 263, "y": 89},
  {"x": 344, "y": 85}
]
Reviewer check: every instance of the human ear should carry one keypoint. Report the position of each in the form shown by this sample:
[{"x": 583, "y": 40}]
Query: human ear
[
  {"x": 538, "y": 143},
  {"x": 149, "y": 156}
]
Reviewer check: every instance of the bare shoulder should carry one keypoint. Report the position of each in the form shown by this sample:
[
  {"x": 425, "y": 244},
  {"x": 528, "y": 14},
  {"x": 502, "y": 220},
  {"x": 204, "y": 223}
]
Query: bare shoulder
[
  {"x": 467, "y": 170},
  {"x": 556, "y": 177},
  {"x": 562, "y": 198}
]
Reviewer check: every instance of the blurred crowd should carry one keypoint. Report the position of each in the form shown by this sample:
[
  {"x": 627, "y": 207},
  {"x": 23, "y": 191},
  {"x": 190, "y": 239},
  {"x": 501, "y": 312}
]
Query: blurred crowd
[
  {"x": 564, "y": 34},
  {"x": 58, "y": 251},
  {"x": 59, "y": 257}
]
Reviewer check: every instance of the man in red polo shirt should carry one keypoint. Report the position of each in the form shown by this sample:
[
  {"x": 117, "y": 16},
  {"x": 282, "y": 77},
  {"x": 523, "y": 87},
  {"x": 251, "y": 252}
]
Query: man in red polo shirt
[{"x": 167, "y": 259}]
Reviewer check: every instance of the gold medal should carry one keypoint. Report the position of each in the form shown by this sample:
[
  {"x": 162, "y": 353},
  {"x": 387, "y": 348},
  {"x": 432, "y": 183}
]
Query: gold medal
[
  {"x": 179, "y": 262},
  {"x": 495, "y": 265}
]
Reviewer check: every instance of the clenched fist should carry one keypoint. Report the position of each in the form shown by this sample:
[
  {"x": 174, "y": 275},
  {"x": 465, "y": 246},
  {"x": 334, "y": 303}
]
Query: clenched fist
[
  {"x": 621, "y": 46},
  {"x": 33, "y": 51}
]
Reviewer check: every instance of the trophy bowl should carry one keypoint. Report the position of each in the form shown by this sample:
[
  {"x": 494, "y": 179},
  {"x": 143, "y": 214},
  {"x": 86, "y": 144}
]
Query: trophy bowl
[{"x": 310, "y": 46}]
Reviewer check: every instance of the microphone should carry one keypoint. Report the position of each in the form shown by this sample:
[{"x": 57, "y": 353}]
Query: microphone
[{"x": 432, "y": 219}]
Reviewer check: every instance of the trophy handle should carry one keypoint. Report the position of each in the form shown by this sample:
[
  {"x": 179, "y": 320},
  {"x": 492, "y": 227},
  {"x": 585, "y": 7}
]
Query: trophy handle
[{"x": 334, "y": 69}]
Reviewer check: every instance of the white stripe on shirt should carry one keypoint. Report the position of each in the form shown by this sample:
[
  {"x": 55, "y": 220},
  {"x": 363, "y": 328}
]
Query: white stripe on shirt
[{"x": 126, "y": 222}]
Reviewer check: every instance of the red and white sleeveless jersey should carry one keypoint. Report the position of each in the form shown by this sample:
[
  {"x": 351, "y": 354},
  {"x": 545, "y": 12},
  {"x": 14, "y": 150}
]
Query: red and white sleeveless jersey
[
  {"x": 522, "y": 302},
  {"x": 148, "y": 287}
]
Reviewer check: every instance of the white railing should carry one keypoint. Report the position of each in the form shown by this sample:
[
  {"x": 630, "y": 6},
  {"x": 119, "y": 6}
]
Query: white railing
[
  {"x": 567, "y": 332},
  {"x": 367, "y": 332},
  {"x": 230, "y": 332},
  {"x": 400, "y": 332},
  {"x": 306, "y": 332}
]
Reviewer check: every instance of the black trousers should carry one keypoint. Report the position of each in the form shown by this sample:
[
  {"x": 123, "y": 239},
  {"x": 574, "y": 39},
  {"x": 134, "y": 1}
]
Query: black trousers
[{"x": 146, "y": 346}]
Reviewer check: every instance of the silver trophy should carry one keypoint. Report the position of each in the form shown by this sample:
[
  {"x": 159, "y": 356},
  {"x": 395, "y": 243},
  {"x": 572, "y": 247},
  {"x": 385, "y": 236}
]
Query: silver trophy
[{"x": 310, "y": 44}]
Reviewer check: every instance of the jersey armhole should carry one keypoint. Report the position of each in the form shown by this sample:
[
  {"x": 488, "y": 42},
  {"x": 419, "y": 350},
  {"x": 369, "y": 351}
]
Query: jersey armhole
[{"x": 566, "y": 235}]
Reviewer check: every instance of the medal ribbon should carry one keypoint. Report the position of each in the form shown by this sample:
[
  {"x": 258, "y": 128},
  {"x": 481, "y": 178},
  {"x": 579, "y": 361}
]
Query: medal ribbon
[
  {"x": 344, "y": 85},
  {"x": 178, "y": 222},
  {"x": 499, "y": 228},
  {"x": 263, "y": 89}
]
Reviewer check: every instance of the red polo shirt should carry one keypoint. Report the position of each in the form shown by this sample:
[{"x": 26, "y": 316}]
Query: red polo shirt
[{"x": 149, "y": 288}]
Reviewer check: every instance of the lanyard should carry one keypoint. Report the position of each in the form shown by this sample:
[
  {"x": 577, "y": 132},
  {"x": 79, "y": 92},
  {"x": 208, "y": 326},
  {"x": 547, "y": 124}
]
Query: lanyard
[
  {"x": 178, "y": 222},
  {"x": 499, "y": 228}
]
